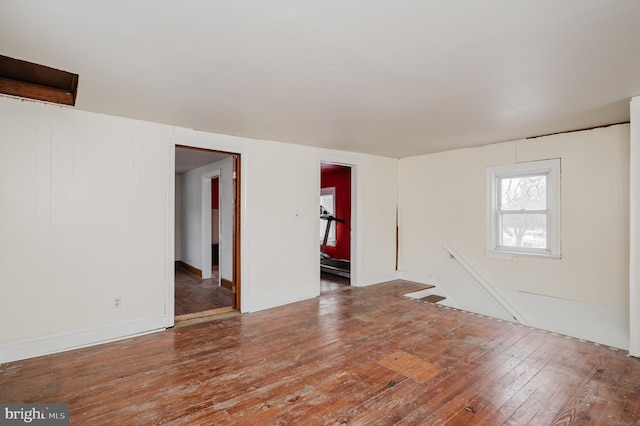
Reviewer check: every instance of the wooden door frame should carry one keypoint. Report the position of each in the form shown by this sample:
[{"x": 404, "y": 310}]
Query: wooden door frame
[
  {"x": 239, "y": 243},
  {"x": 237, "y": 199}
]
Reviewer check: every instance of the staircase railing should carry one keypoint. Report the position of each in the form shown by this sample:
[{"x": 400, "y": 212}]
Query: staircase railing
[{"x": 486, "y": 285}]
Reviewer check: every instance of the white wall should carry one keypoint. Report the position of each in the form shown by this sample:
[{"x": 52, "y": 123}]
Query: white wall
[
  {"x": 279, "y": 216},
  {"x": 215, "y": 226},
  {"x": 82, "y": 220},
  {"x": 442, "y": 200},
  {"x": 378, "y": 195},
  {"x": 87, "y": 214},
  {"x": 634, "y": 232},
  {"x": 196, "y": 251},
  {"x": 177, "y": 236}
]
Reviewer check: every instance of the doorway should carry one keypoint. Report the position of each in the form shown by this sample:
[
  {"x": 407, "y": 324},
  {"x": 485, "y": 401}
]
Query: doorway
[
  {"x": 206, "y": 273},
  {"x": 335, "y": 226}
]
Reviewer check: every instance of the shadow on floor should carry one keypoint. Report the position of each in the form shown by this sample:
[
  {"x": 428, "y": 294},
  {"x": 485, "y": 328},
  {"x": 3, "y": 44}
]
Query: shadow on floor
[{"x": 330, "y": 282}]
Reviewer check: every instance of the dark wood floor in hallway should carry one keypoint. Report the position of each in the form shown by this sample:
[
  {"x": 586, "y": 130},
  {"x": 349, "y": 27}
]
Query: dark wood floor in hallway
[
  {"x": 329, "y": 282},
  {"x": 195, "y": 294},
  {"x": 359, "y": 356}
]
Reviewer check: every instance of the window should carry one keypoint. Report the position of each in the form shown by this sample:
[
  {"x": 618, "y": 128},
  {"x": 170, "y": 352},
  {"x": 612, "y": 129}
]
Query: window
[
  {"x": 328, "y": 205},
  {"x": 523, "y": 214}
]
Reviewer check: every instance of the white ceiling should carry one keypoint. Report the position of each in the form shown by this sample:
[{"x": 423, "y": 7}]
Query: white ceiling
[
  {"x": 189, "y": 159},
  {"x": 388, "y": 77}
]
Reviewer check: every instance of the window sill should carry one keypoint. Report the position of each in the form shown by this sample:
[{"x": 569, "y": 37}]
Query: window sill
[{"x": 510, "y": 255}]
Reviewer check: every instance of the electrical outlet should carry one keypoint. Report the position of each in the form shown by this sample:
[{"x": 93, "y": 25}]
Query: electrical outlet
[{"x": 117, "y": 302}]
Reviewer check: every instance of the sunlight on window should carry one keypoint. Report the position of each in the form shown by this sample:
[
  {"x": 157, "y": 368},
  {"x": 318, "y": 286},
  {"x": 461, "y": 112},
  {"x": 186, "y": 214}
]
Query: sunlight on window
[
  {"x": 328, "y": 205},
  {"x": 522, "y": 211}
]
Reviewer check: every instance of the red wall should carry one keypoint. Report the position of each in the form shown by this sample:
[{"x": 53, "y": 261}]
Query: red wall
[
  {"x": 339, "y": 177},
  {"x": 215, "y": 188}
]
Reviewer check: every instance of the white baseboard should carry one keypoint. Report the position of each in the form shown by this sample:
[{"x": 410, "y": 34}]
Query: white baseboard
[
  {"x": 255, "y": 305},
  {"x": 417, "y": 278},
  {"x": 419, "y": 294},
  {"x": 40, "y": 346},
  {"x": 601, "y": 324},
  {"x": 377, "y": 279}
]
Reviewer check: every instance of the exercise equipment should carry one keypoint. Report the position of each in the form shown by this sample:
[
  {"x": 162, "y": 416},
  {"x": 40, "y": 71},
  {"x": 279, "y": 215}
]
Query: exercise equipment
[{"x": 328, "y": 264}]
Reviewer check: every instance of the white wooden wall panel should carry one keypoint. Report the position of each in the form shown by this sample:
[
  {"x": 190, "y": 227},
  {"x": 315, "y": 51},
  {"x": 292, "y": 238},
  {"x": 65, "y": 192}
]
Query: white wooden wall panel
[
  {"x": 634, "y": 230},
  {"x": 85, "y": 217},
  {"x": 82, "y": 220}
]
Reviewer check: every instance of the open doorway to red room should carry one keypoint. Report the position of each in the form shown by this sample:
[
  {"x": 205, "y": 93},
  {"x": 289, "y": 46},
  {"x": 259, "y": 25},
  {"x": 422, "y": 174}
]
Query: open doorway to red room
[{"x": 335, "y": 226}]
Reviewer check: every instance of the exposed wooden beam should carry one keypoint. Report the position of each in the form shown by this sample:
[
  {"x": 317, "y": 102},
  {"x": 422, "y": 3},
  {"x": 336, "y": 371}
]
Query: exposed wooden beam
[{"x": 32, "y": 81}]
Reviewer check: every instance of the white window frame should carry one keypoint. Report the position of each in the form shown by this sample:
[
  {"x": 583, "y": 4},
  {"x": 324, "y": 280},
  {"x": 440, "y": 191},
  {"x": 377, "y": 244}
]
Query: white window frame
[
  {"x": 550, "y": 168},
  {"x": 333, "y": 239}
]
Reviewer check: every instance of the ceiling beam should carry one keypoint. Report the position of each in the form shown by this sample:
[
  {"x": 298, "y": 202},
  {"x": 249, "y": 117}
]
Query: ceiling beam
[{"x": 39, "y": 82}]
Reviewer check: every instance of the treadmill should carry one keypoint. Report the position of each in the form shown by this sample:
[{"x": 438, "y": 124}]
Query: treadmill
[{"x": 328, "y": 264}]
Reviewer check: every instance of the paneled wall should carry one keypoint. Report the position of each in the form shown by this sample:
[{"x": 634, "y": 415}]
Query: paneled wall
[{"x": 86, "y": 214}]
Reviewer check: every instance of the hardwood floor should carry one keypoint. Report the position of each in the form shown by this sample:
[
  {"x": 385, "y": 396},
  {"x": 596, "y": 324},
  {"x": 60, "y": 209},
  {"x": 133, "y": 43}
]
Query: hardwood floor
[
  {"x": 330, "y": 282},
  {"x": 358, "y": 356},
  {"x": 194, "y": 294}
]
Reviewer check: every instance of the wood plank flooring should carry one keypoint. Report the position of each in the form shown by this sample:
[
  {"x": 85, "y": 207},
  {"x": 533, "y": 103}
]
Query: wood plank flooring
[
  {"x": 330, "y": 282},
  {"x": 194, "y": 294},
  {"x": 360, "y": 356}
]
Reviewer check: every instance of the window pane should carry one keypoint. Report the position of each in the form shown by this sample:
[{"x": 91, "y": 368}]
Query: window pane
[
  {"x": 327, "y": 203},
  {"x": 523, "y": 230},
  {"x": 523, "y": 193}
]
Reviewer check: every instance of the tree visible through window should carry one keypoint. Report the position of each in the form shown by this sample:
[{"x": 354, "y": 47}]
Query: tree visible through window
[{"x": 524, "y": 213}]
